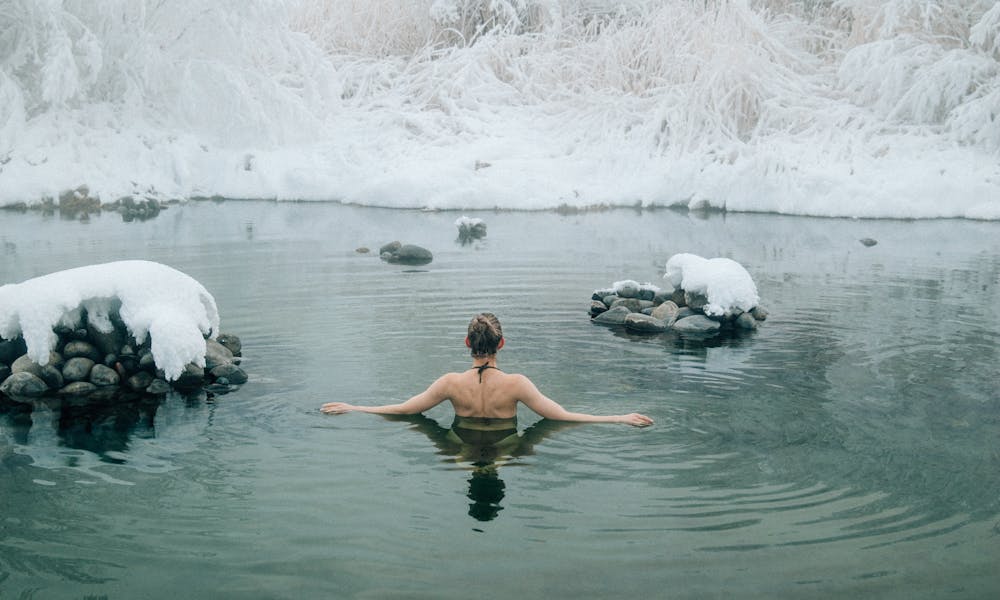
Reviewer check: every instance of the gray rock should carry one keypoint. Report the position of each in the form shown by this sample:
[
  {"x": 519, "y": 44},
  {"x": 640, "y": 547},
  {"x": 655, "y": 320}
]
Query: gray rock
[
  {"x": 25, "y": 364},
  {"x": 146, "y": 360},
  {"x": 683, "y": 312},
  {"x": 232, "y": 342},
  {"x": 677, "y": 297},
  {"x": 107, "y": 343},
  {"x": 4, "y": 372},
  {"x": 647, "y": 294},
  {"x": 78, "y": 388},
  {"x": 597, "y": 307},
  {"x": 77, "y": 368},
  {"x": 49, "y": 373},
  {"x": 101, "y": 375},
  {"x": 694, "y": 300},
  {"x": 52, "y": 376},
  {"x": 647, "y": 311},
  {"x": 190, "y": 378},
  {"x": 613, "y": 316},
  {"x": 230, "y": 372},
  {"x": 216, "y": 354},
  {"x": 869, "y": 242},
  {"x": 609, "y": 299},
  {"x": 662, "y": 296},
  {"x": 666, "y": 311},
  {"x": 23, "y": 384},
  {"x": 696, "y": 324},
  {"x": 745, "y": 321},
  {"x": 632, "y": 304},
  {"x": 601, "y": 294},
  {"x": 409, "y": 254},
  {"x": 628, "y": 290},
  {"x": 139, "y": 381},
  {"x": 759, "y": 313},
  {"x": 158, "y": 387},
  {"x": 78, "y": 348},
  {"x": 640, "y": 323}
]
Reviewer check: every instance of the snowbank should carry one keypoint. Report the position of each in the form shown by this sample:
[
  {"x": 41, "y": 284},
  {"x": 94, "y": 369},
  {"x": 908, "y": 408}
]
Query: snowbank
[
  {"x": 850, "y": 108},
  {"x": 724, "y": 282},
  {"x": 152, "y": 299}
]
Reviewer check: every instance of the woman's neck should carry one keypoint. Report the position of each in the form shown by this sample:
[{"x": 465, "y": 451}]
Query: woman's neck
[{"x": 489, "y": 360}]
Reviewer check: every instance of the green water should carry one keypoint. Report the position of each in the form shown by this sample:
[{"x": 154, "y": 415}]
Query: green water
[{"x": 848, "y": 448}]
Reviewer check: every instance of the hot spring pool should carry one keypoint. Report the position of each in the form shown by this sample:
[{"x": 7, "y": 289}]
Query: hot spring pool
[{"x": 847, "y": 448}]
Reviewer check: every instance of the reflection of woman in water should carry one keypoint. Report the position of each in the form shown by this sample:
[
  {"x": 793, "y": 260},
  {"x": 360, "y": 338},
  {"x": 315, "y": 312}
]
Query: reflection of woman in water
[
  {"x": 485, "y": 450},
  {"x": 484, "y": 397},
  {"x": 485, "y": 427}
]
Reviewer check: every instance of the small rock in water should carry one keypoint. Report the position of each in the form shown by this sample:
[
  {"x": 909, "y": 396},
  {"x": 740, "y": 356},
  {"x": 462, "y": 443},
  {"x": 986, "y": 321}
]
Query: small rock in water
[
  {"x": 410, "y": 254},
  {"x": 231, "y": 373},
  {"x": 362, "y": 250},
  {"x": 632, "y": 304},
  {"x": 868, "y": 242},
  {"x": 759, "y": 313},
  {"x": 597, "y": 307}
]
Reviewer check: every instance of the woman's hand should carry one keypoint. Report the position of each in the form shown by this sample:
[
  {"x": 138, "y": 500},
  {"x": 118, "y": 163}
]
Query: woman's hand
[
  {"x": 636, "y": 420},
  {"x": 337, "y": 408}
]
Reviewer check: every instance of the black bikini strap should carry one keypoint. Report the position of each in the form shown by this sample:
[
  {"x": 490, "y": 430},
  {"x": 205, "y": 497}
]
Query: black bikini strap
[{"x": 482, "y": 368}]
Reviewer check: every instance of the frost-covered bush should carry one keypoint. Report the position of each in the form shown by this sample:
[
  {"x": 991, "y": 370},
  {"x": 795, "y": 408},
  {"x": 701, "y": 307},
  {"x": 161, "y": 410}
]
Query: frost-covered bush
[{"x": 801, "y": 106}]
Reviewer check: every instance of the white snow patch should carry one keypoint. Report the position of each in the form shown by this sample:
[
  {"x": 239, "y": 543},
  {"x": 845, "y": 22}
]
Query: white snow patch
[
  {"x": 152, "y": 299},
  {"x": 725, "y": 282}
]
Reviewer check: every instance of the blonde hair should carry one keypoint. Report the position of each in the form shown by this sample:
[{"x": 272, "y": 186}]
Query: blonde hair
[{"x": 485, "y": 334}]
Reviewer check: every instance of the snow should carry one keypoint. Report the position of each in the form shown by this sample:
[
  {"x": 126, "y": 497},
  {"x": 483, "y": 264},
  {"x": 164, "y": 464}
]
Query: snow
[
  {"x": 467, "y": 222},
  {"x": 617, "y": 286},
  {"x": 727, "y": 285},
  {"x": 174, "y": 310},
  {"x": 850, "y": 108}
]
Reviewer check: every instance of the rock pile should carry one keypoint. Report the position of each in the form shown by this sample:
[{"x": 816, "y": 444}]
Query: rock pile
[
  {"x": 88, "y": 362},
  {"x": 405, "y": 254},
  {"x": 470, "y": 229},
  {"x": 80, "y": 204},
  {"x": 646, "y": 309}
]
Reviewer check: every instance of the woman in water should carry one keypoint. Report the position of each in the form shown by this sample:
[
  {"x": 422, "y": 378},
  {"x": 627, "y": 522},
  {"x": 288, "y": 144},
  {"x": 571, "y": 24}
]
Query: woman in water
[{"x": 484, "y": 397}]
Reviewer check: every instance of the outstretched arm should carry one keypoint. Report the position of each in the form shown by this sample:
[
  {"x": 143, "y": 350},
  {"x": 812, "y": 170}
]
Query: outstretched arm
[
  {"x": 529, "y": 395},
  {"x": 425, "y": 400}
]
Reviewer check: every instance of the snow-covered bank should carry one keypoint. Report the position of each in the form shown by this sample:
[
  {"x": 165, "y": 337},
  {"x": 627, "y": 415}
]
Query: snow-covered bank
[{"x": 848, "y": 108}]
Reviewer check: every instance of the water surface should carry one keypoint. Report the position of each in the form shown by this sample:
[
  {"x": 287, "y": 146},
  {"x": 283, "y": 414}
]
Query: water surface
[{"x": 848, "y": 447}]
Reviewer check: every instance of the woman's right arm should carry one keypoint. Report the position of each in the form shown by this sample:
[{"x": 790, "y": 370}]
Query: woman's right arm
[{"x": 530, "y": 396}]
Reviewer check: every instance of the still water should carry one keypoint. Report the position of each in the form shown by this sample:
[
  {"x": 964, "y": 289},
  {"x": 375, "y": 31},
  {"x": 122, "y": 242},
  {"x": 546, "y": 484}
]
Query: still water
[{"x": 849, "y": 447}]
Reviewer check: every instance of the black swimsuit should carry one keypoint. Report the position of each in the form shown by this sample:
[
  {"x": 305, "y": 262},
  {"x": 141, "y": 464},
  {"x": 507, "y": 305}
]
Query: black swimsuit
[{"x": 482, "y": 368}]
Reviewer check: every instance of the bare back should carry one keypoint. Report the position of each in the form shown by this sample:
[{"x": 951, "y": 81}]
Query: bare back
[{"x": 491, "y": 394}]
